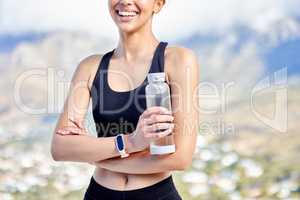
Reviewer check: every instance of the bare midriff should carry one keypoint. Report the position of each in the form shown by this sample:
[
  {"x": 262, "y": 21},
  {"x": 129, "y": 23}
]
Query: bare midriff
[{"x": 123, "y": 181}]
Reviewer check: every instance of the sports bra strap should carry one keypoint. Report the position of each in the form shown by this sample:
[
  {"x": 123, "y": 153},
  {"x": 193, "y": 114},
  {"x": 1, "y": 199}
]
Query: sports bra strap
[{"x": 159, "y": 56}]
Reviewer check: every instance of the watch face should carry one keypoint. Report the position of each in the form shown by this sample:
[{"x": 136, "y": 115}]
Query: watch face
[{"x": 120, "y": 142}]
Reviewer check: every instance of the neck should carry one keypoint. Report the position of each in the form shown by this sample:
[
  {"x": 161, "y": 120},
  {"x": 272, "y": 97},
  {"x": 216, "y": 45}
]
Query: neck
[{"x": 136, "y": 44}]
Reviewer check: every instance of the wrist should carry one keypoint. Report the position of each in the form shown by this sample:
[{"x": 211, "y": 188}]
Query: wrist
[
  {"x": 131, "y": 143},
  {"x": 121, "y": 145}
]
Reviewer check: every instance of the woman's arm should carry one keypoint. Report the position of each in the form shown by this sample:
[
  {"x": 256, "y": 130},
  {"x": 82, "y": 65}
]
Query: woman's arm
[
  {"x": 82, "y": 147},
  {"x": 184, "y": 79},
  {"x": 143, "y": 163},
  {"x": 86, "y": 148}
]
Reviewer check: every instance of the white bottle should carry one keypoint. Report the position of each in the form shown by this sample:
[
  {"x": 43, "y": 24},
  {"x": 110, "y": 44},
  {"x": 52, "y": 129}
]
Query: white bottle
[{"x": 158, "y": 94}]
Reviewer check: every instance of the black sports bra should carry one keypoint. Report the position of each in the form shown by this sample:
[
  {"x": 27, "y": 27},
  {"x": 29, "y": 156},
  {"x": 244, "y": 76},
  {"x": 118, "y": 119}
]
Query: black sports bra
[{"x": 118, "y": 111}]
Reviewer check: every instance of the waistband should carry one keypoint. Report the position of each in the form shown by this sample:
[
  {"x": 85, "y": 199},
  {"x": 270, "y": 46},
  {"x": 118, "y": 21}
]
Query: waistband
[{"x": 155, "y": 190}]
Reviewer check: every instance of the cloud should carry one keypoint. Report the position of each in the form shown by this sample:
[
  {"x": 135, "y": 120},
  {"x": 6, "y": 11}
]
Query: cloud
[
  {"x": 178, "y": 19},
  {"x": 35, "y": 15},
  {"x": 271, "y": 21}
]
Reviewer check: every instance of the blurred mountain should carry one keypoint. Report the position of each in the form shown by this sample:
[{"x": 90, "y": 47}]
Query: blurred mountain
[{"x": 231, "y": 136}]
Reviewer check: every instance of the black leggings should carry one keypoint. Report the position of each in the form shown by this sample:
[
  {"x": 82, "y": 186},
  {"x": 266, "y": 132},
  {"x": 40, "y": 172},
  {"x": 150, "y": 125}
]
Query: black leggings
[{"x": 162, "y": 190}]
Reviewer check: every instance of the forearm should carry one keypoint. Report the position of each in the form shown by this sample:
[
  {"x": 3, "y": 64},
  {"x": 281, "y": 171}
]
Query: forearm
[
  {"x": 86, "y": 148},
  {"x": 143, "y": 163}
]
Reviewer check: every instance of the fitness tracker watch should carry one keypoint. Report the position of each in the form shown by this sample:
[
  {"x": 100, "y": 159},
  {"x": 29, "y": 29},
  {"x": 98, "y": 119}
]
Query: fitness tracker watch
[{"x": 120, "y": 145}]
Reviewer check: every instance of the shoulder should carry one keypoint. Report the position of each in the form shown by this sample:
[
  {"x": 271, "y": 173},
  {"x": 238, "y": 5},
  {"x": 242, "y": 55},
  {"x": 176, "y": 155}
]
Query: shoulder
[
  {"x": 86, "y": 68},
  {"x": 180, "y": 53},
  {"x": 179, "y": 59},
  {"x": 181, "y": 56},
  {"x": 88, "y": 63}
]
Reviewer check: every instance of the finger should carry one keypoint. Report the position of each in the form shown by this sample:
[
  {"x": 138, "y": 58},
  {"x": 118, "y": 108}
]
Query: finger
[
  {"x": 73, "y": 122},
  {"x": 79, "y": 124},
  {"x": 158, "y": 127},
  {"x": 159, "y": 118},
  {"x": 155, "y": 109},
  {"x": 160, "y": 134},
  {"x": 65, "y": 132},
  {"x": 62, "y": 132},
  {"x": 163, "y": 134},
  {"x": 73, "y": 129}
]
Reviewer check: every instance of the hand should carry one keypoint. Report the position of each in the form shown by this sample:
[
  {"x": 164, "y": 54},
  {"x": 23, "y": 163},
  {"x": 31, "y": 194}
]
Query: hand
[
  {"x": 107, "y": 162},
  {"x": 78, "y": 129},
  {"x": 154, "y": 123}
]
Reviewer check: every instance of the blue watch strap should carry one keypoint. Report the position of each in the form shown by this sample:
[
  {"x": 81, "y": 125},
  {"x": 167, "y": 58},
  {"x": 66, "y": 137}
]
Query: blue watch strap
[{"x": 120, "y": 145}]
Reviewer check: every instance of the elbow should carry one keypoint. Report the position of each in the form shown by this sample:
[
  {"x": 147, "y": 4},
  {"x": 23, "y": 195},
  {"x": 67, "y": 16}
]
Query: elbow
[
  {"x": 56, "y": 151},
  {"x": 185, "y": 164},
  {"x": 55, "y": 155},
  {"x": 182, "y": 162}
]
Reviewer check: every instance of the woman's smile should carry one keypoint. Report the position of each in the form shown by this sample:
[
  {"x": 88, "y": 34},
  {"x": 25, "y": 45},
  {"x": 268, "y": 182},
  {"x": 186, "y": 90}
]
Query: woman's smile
[{"x": 126, "y": 15}]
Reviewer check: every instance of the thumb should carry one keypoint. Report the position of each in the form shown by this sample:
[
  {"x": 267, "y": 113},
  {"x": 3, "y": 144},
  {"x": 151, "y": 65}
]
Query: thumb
[
  {"x": 77, "y": 122},
  {"x": 81, "y": 124}
]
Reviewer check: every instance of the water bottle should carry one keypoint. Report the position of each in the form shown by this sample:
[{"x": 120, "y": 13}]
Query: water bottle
[{"x": 158, "y": 94}]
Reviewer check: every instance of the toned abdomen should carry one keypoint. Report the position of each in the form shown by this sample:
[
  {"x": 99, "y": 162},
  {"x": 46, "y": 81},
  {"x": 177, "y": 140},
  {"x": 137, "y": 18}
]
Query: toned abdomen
[{"x": 124, "y": 181}]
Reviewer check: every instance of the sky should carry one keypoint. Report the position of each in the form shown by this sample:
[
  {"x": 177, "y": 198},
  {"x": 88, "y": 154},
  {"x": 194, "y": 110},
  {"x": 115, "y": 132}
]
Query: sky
[
  {"x": 178, "y": 18},
  {"x": 271, "y": 26},
  {"x": 239, "y": 43}
]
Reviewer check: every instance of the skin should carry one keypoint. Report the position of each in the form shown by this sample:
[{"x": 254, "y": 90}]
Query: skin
[{"x": 131, "y": 60}]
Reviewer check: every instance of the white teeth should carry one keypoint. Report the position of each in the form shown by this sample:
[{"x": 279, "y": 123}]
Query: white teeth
[{"x": 125, "y": 13}]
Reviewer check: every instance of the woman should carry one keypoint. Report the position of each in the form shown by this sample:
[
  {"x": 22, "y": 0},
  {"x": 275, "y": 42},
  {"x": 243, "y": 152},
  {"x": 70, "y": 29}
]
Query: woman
[{"x": 116, "y": 83}]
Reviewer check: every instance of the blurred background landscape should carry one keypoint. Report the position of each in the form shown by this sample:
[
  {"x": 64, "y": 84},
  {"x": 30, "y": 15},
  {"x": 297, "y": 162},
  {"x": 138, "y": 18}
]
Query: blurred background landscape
[{"x": 248, "y": 143}]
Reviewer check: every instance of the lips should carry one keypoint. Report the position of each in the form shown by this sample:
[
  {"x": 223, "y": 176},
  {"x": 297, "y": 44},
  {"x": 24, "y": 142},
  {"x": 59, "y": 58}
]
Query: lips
[{"x": 127, "y": 15}]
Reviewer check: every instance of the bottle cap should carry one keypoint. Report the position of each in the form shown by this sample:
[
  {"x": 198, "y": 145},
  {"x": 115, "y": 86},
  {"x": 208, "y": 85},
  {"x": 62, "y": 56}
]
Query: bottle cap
[
  {"x": 155, "y": 149},
  {"x": 156, "y": 77}
]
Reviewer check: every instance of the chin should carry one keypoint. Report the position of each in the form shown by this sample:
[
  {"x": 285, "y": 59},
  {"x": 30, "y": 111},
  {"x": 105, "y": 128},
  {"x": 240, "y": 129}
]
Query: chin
[{"x": 127, "y": 29}]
